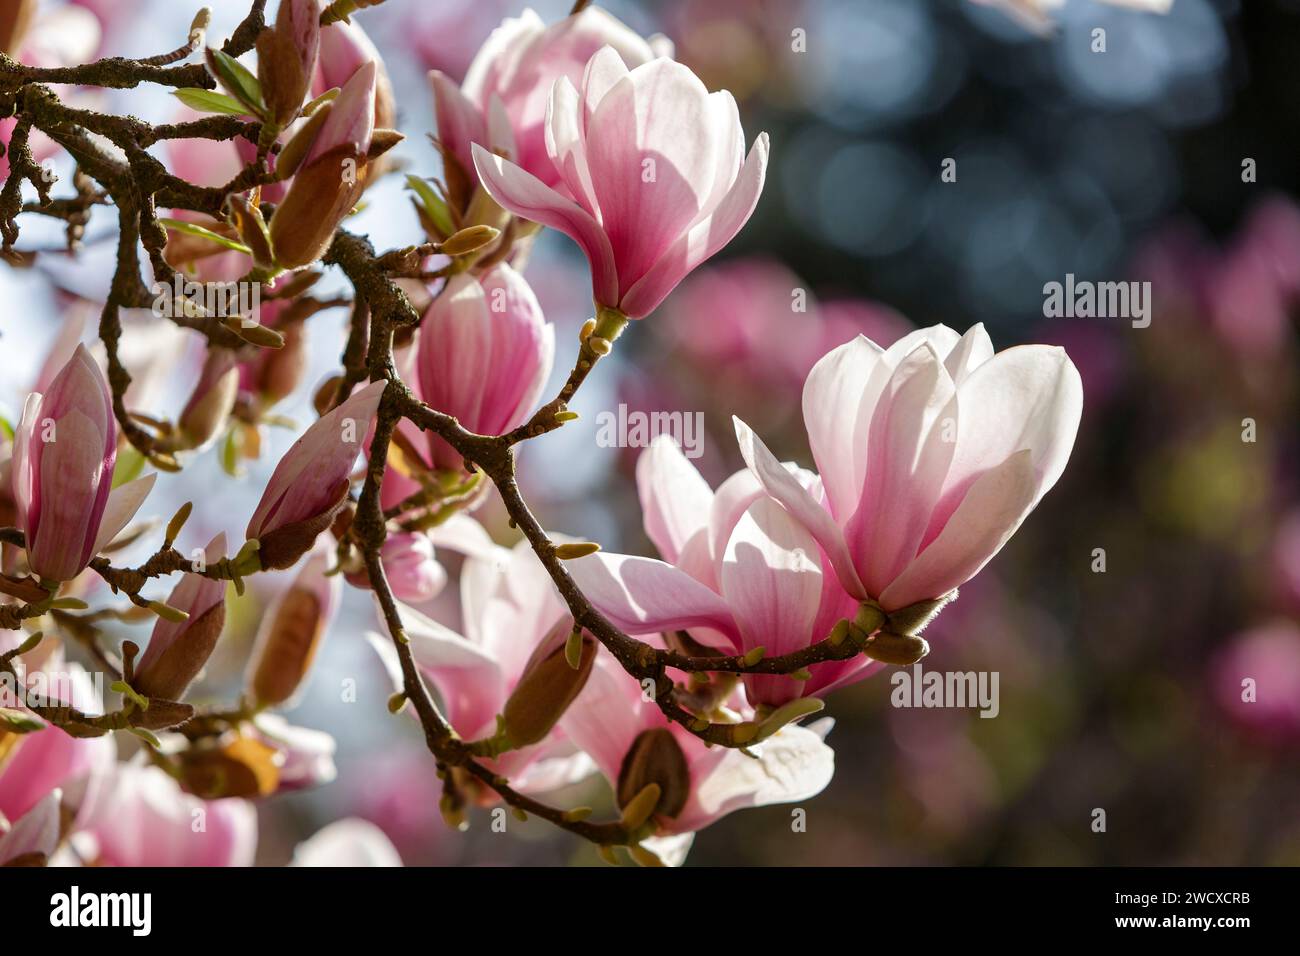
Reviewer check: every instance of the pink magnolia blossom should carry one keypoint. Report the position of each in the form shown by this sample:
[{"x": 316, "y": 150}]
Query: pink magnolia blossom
[
  {"x": 611, "y": 714},
  {"x": 178, "y": 650},
  {"x": 410, "y": 565},
  {"x": 931, "y": 453},
  {"x": 64, "y": 451},
  {"x": 742, "y": 573},
  {"x": 657, "y": 170},
  {"x": 503, "y": 102},
  {"x": 508, "y": 606},
  {"x": 348, "y": 842},
  {"x": 311, "y": 480},
  {"x": 140, "y": 816},
  {"x": 485, "y": 352}
]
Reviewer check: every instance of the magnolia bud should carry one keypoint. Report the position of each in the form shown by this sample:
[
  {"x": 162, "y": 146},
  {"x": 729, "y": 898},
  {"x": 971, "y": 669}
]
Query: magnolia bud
[
  {"x": 915, "y": 617},
  {"x": 286, "y": 58},
  {"x": 548, "y": 686},
  {"x": 181, "y": 644},
  {"x": 655, "y": 757},
  {"x": 890, "y": 648},
  {"x": 291, "y": 633},
  {"x": 282, "y": 371},
  {"x": 213, "y": 399}
]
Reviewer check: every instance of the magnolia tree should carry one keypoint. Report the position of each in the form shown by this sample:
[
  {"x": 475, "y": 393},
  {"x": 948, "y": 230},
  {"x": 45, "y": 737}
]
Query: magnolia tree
[{"x": 685, "y": 679}]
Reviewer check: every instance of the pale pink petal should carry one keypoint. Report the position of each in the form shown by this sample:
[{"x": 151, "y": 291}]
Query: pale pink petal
[
  {"x": 645, "y": 596},
  {"x": 675, "y": 500},
  {"x": 606, "y": 717},
  {"x": 771, "y": 578},
  {"x": 652, "y": 156},
  {"x": 703, "y": 239},
  {"x": 785, "y": 488},
  {"x": 1029, "y": 397},
  {"x": 986, "y": 518},
  {"x": 792, "y": 765},
  {"x": 908, "y": 457},
  {"x": 974, "y": 349},
  {"x": 36, "y": 831},
  {"x": 123, "y": 503},
  {"x": 349, "y": 842},
  {"x": 832, "y": 408},
  {"x": 460, "y": 124},
  {"x": 526, "y": 196}
]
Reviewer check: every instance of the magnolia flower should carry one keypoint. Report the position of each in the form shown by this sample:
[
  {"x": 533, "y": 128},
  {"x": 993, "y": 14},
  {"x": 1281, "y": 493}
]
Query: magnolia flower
[
  {"x": 502, "y": 103},
  {"x": 634, "y": 745},
  {"x": 485, "y": 352},
  {"x": 178, "y": 650},
  {"x": 742, "y": 573},
  {"x": 410, "y": 566},
  {"x": 344, "y": 49},
  {"x": 292, "y": 631},
  {"x": 656, "y": 167},
  {"x": 139, "y": 816},
  {"x": 931, "y": 453},
  {"x": 349, "y": 842},
  {"x": 311, "y": 481},
  {"x": 64, "y": 451},
  {"x": 329, "y": 178},
  {"x": 513, "y": 620}
]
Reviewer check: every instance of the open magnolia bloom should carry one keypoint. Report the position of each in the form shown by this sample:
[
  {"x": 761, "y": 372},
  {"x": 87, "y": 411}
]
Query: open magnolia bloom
[
  {"x": 503, "y": 102},
  {"x": 137, "y": 815},
  {"x": 744, "y": 574},
  {"x": 656, "y": 164},
  {"x": 931, "y": 454},
  {"x": 514, "y": 631},
  {"x": 635, "y": 746}
]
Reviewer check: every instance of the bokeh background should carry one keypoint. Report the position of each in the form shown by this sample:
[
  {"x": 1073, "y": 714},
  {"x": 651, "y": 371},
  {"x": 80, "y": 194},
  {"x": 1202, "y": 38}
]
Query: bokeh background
[{"x": 1120, "y": 689}]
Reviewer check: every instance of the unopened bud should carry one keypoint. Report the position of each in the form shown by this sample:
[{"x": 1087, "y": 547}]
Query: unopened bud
[
  {"x": 915, "y": 617},
  {"x": 577, "y": 549},
  {"x": 548, "y": 686},
  {"x": 655, "y": 757},
  {"x": 901, "y": 649},
  {"x": 470, "y": 239},
  {"x": 286, "y": 647}
]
